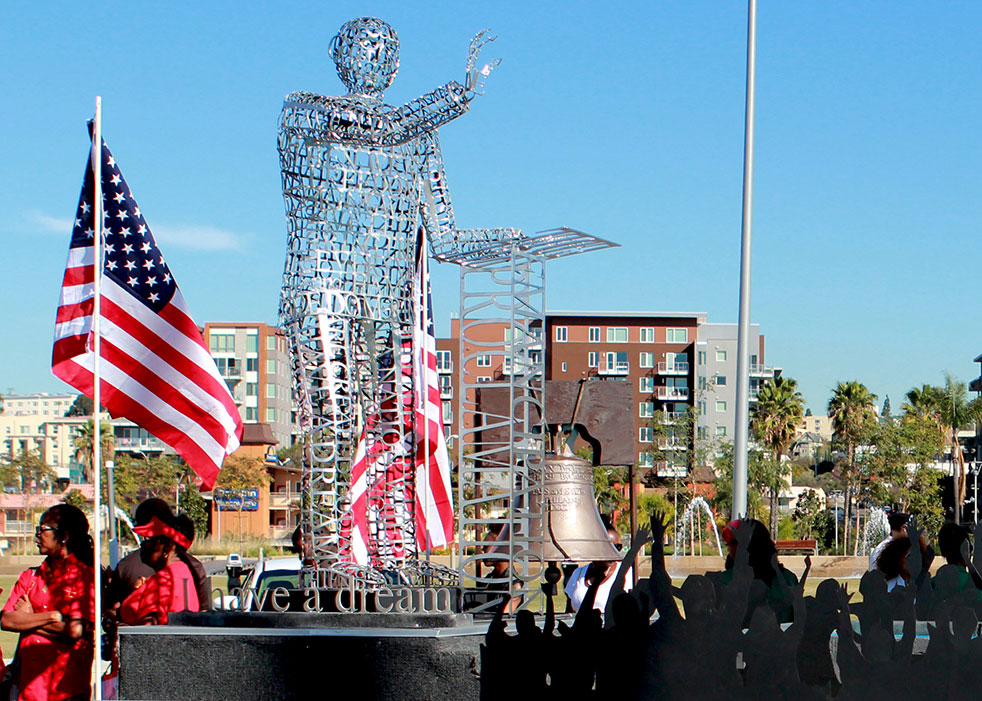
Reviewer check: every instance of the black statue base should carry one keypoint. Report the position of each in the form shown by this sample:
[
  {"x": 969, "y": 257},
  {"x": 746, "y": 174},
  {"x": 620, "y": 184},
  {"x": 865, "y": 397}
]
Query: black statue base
[{"x": 259, "y": 655}]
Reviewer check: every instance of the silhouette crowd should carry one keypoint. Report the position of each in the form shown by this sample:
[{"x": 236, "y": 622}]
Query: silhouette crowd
[{"x": 750, "y": 633}]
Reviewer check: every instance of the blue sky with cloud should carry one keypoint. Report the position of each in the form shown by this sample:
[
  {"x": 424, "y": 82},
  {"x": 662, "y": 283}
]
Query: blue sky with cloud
[{"x": 625, "y": 121}]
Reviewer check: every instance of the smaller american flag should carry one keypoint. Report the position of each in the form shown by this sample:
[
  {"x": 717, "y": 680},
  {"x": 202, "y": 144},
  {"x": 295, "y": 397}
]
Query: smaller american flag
[{"x": 156, "y": 369}]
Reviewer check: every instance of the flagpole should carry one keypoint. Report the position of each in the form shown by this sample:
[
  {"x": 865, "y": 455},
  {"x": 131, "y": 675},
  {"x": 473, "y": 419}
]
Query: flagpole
[{"x": 97, "y": 215}]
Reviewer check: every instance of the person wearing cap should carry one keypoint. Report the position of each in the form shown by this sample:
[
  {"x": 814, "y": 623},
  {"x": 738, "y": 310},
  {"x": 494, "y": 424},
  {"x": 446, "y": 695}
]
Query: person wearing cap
[
  {"x": 898, "y": 529},
  {"x": 762, "y": 553},
  {"x": 171, "y": 588}
]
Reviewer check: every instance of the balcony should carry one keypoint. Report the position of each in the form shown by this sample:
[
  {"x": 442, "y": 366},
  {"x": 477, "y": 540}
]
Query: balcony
[
  {"x": 671, "y": 417},
  {"x": 665, "y": 469},
  {"x": 146, "y": 444},
  {"x": 284, "y": 500},
  {"x": 672, "y": 393},
  {"x": 761, "y": 370},
  {"x": 676, "y": 368},
  {"x": 446, "y": 390},
  {"x": 613, "y": 367},
  {"x": 672, "y": 444}
]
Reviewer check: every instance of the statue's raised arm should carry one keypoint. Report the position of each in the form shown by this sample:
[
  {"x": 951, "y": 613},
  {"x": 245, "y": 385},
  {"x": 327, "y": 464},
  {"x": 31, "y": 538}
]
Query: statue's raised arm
[{"x": 366, "y": 53}]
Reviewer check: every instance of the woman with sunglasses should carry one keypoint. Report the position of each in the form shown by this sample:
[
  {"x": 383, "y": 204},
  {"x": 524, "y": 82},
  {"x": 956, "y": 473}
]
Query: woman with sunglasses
[{"x": 52, "y": 607}]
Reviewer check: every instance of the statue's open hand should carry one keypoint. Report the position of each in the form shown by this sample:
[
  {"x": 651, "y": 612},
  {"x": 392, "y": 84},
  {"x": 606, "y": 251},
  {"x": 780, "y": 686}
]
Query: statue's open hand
[{"x": 474, "y": 83}]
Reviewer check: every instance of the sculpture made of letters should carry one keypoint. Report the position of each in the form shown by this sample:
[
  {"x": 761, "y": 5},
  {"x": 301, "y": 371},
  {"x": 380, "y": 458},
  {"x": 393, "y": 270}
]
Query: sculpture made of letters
[{"x": 360, "y": 178}]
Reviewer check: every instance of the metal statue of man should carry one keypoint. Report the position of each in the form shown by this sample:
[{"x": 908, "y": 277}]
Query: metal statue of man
[{"x": 360, "y": 178}]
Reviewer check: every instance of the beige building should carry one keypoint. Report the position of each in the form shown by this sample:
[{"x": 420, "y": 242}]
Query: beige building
[
  {"x": 252, "y": 358},
  {"x": 819, "y": 425}
]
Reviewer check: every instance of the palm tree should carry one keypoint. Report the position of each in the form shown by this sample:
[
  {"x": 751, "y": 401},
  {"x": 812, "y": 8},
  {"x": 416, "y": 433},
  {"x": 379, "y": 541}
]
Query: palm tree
[
  {"x": 852, "y": 410},
  {"x": 777, "y": 414},
  {"x": 951, "y": 409},
  {"x": 82, "y": 442}
]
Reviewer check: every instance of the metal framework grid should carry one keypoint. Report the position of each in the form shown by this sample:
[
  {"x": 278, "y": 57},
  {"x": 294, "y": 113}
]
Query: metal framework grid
[{"x": 503, "y": 284}]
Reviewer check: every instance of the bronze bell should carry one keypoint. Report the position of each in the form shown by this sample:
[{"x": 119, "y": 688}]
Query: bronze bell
[{"x": 573, "y": 529}]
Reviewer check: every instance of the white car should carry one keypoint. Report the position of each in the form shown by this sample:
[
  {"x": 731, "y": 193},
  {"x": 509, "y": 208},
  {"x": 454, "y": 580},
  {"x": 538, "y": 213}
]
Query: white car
[{"x": 268, "y": 574}]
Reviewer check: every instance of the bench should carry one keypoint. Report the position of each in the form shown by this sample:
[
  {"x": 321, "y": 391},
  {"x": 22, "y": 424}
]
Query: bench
[{"x": 808, "y": 546}]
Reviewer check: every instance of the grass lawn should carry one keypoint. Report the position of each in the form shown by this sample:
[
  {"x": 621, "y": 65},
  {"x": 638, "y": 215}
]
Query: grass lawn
[{"x": 8, "y": 641}]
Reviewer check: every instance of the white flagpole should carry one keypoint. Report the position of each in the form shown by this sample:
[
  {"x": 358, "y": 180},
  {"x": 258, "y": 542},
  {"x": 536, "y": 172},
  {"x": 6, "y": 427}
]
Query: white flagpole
[{"x": 97, "y": 214}]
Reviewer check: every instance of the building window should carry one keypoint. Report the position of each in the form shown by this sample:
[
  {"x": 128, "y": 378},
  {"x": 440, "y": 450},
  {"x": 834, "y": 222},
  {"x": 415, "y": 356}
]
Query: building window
[
  {"x": 701, "y": 382},
  {"x": 271, "y": 366},
  {"x": 721, "y": 356},
  {"x": 594, "y": 334},
  {"x": 252, "y": 343},
  {"x": 483, "y": 379},
  {"x": 270, "y": 390},
  {"x": 252, "y": 364},
  {"x": 647, "y": 385},
  {"x": 646, "y": 434},
  {"x": 720, "y": 405},
  {"x": 562, "y": 333},
  {"x": 252, "y": 389},
  {"x": 592, "y": 359},
  {"x": 702, "y": 408},
  {"x": 647, "y": 335},
  {"x": 646, "y": 410},
  {"x": 484, "y": 361},
  {"x": 701, "y": 358},
  {"x": 720, "y": 380},
  {"x": 443, "y": 361},
  {"x": 646, "y": 460},
  {"x": 271, "y": 414},
  {"x": 252, "y": 413},
  {"x": 446, "y": 385},
  {"x": 616, "y": 335},
  {"x": 646, "y": 360},
  {"x": 271, "y": 343},
  {"x": 564, "y": 367},
  {"x": 676, "y": 335},
  {"x": 702, "y": 432},
  {"x": 721, "y": 430},
  {"x": 220, "y": 343}
]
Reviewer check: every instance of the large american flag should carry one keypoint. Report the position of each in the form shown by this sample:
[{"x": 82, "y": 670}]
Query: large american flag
[
  {"x": 386, "y": 479},
  {"x": 156, "y": 370}
]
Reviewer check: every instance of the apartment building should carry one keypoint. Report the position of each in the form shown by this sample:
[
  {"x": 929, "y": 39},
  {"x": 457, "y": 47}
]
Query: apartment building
[
  {"x": 42, "y": 404},
  {"x": 252, "y": 358},
  {"x": 673, "y": 361}
]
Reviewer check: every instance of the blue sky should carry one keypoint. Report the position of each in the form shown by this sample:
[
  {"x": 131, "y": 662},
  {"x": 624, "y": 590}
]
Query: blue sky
[{"x": 625, "y": 121}]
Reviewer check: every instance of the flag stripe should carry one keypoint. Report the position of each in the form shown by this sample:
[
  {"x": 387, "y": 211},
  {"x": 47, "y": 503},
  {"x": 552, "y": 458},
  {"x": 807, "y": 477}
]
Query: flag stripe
[{"x": 157, "y": 370}]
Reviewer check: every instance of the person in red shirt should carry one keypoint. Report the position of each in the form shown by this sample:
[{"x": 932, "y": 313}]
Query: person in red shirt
[
  {"x": 172, "y": 587},
  {"x": 52, "y": 607}
]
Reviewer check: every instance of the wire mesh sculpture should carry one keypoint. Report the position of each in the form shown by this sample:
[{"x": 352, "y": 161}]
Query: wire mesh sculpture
[{"x": 359, "y": 179}]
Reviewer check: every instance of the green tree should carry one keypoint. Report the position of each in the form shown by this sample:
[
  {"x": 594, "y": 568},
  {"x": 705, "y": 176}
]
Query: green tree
[
  {"x": 82, "y": 406},
  {"x": 955, "y": 412},
  {"x": 759, "y": 474},
  {"x": 75, "y": 498},
  {"x": 851, "y": 409},
  {"x": 806, "y": 514},
  {"x": 196, "y": 508},
  {"x": 773, "y": 422},
  {"x": 83, "y": 444},
  {"x": 243, "y": 473},
  {"x": 885, "y": 412}
]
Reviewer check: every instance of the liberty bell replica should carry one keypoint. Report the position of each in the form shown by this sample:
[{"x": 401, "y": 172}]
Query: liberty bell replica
[{"x": 570, "y": 528}]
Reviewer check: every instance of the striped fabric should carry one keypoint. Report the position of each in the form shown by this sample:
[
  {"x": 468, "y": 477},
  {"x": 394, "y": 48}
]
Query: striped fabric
[
  {"x": 156, "y": 370},
  {"x": 386, "y": 479}
]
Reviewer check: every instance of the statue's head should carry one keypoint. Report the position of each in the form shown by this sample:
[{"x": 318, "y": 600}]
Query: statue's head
[{"x": 366, "y": 52}]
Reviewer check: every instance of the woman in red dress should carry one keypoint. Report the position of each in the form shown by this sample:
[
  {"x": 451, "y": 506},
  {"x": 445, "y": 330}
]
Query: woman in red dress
[
  {"x": 52, "y": 607},
  {"x": 172, "y": 587}
]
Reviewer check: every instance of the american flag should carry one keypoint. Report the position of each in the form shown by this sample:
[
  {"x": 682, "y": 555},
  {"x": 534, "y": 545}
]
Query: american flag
[
  {"x": 156, "y": 370},
  {"x": 386, "y": 479}
]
